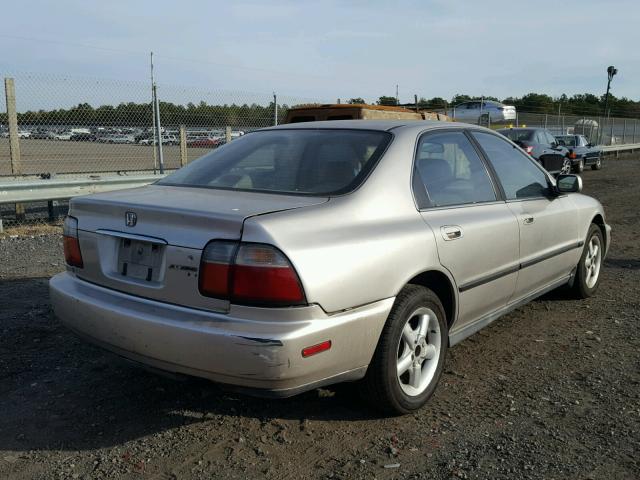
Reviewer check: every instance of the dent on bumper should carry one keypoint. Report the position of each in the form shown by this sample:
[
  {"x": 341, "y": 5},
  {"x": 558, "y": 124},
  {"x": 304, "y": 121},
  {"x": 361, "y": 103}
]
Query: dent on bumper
[{"x": 260, "y": 349}]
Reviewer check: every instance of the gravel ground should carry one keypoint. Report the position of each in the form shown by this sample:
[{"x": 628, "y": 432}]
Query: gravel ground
[{"x": 550, "y": 391}]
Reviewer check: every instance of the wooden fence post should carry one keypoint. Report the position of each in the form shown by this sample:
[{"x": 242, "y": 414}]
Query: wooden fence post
[
  {"x": 183, "y": 145},
  {"x": 14, "y": 140}
]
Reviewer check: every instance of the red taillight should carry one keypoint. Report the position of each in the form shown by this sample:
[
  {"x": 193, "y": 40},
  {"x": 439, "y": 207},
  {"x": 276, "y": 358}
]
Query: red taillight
[
  {"x": 320, "y": 347},
  {"x": 529, "y": 150},
  {"x": 572, "y": 155},
  {"x": 215, "y": 268},
  {"x": 249, "y": 273},
  {"x": 72, "y": 254}
]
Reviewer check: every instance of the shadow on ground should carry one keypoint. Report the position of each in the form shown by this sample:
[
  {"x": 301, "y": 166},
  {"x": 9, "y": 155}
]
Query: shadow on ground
[{"x": 57, "y": 392}]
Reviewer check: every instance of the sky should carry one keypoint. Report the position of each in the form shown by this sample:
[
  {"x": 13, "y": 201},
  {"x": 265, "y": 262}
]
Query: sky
[{"x": 332, "y": 49}]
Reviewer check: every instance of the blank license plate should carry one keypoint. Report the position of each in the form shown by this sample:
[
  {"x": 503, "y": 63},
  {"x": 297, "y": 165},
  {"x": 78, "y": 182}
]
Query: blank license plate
[{"x": 139, "y": 260}]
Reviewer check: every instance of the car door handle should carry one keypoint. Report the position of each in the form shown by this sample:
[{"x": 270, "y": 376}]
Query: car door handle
[
  {"x": 451, "y": 232},
  {"x": 528, "y": 220}
]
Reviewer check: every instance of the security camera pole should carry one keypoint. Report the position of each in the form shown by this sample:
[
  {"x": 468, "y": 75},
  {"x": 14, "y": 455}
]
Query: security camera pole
[{"x": 611, "y": 71}]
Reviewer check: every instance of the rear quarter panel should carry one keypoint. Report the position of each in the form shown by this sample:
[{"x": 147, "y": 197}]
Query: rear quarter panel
[{"x": 357, "y": 248}]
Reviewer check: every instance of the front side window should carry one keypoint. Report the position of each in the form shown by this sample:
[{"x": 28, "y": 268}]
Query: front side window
[
  {"x": 550, "y": 138},
  {"x": 517, "y": 173},
  {"x": 303, "y": 161},
  {"x": 451, "y": 171}
]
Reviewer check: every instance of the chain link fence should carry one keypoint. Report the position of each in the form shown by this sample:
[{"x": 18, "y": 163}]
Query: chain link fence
[
  {"x": 76, "y": 126},
  {"x": 598, "y": 130},
  {"x": 70, "y": 126}
]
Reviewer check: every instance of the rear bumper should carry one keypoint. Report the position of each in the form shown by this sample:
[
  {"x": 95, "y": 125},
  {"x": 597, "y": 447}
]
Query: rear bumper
[{"x": 253, "y": 348}]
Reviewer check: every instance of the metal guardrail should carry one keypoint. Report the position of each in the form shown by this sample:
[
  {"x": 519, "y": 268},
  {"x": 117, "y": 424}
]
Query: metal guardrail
[
  {"x": 41, "y": 190},
  {"x": 58, "y": 189},
  {"x": 620, "y": 148}
]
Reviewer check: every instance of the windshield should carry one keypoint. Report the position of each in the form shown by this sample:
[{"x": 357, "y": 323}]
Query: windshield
[
  {"x": 304, "y": 161},
  {"x": 517, "y": 135}
]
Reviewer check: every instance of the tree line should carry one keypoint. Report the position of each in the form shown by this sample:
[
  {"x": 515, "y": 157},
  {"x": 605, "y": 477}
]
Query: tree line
[
  {"x": 203, "y": 114},
  {"x": 579, "y": 104},
  {"x": 140, "y": 115}
]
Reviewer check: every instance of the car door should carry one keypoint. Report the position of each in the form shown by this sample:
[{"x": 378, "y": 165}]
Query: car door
[
  {"x": 476, "y": 233},
  {"x": 550, "y": 246}
]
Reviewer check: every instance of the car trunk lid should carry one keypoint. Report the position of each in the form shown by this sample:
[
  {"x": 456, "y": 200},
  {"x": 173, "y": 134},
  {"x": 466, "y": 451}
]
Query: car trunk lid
[{"x": 148, "y": 241}]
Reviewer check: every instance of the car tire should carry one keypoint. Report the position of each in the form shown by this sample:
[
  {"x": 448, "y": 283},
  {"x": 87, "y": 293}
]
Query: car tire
[
  {"x": 597, "y": 165},
  {"x": 566, "y": 167},
  {"x": 417, "y": 318},
  {"x": 579, "y": 168},
  {"x": 589, "y": 269}
]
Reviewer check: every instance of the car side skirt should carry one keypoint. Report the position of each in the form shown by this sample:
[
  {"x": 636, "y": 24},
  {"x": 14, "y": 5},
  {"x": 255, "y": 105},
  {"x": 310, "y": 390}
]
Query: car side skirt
[{"x": 470, "y": 329}]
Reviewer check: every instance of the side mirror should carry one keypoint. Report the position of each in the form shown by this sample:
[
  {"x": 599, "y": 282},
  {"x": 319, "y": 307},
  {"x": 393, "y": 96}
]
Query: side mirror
[
  {"x": 589, "y": 145},
  {"x": 569, "y": 184}
]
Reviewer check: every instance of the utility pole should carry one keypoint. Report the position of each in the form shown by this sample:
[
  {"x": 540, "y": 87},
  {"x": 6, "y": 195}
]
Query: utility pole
[
  {"x": 153, "y": 119},
  {"x": 397, "y": 97},
  {"x": 275, "y": 109},
  {"x": 158, "y": 128}
]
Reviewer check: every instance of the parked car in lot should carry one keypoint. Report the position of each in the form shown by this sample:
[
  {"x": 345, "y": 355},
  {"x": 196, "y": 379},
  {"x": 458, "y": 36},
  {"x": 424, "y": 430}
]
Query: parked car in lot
[
  {"x": 82, "y": 137},
  {"x": 166, "y": 140},
  {"x": 541, "y": 145},
  {"x": 309, "y": 254},
  {"x": 42, "y": 135},
  {"x": 63, "y": 136},
  {"x": 205, "y": 142},
  {"x": 471, "y": 111},
  {"x": 116, "y": 138},
  {"x": 24, "y": 134},
  {"x": 581, "y": 152}
]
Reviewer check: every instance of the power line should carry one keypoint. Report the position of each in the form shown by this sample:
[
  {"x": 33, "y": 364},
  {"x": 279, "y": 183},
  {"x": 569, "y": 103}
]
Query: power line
[{"x": 167, "y": 57}]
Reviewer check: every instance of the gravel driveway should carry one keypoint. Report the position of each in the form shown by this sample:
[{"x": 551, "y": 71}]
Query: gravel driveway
[{"x": 550, "y": 391}]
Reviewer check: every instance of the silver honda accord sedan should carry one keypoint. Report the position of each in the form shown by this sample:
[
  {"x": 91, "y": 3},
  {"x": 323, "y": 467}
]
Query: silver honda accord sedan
[{"x": 310, "y": 254}]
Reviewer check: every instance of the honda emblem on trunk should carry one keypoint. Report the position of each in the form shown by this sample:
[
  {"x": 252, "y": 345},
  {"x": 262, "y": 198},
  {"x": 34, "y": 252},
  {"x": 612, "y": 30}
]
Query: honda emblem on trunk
[{"x": 130, "y": 219}]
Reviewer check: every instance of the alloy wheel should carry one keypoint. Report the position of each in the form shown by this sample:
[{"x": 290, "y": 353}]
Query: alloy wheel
[
  {"x": 592, "y": 261},
  {"x": 418, "y": 351}
]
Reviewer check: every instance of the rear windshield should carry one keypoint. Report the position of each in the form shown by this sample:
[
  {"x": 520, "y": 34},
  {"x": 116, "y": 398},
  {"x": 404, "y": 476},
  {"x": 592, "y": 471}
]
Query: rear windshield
[
  {"x": 305, "y": 161},
  {"x": 517, "y": 135}
]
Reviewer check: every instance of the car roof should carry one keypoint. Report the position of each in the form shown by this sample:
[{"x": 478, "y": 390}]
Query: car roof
[{"x": 381, "y": 125}]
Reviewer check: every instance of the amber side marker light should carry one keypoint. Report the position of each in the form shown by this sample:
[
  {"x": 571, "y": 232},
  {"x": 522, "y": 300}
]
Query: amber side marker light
[{"x": 314, "y": 349}]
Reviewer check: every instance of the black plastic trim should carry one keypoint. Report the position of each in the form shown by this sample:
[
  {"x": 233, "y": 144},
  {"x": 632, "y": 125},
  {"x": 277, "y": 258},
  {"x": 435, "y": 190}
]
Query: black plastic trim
[{"x": 521, "y": 266}]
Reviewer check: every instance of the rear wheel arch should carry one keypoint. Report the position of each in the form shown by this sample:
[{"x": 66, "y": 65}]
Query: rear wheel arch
[
  {"x": 440, "y": 284},
  {"x": 599, "y": 221}
]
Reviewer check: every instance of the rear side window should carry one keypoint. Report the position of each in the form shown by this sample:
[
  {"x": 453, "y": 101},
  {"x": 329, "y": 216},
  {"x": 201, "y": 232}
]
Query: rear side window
[
  {"x": 304, "y": 161},
  {"x": 451, "y": 171},
  {"x": 517, "y": 173}
]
